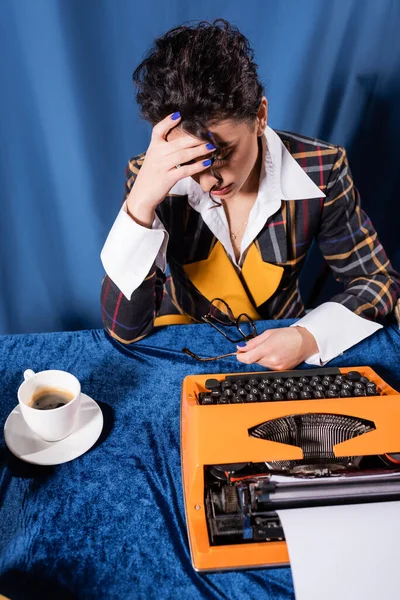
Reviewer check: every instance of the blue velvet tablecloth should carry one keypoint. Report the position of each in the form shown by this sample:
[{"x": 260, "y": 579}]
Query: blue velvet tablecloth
[{"x": 110, "y": 524}]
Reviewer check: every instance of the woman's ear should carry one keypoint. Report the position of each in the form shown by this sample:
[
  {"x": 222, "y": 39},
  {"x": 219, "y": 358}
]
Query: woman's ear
[{"x": 262, "y": 116}]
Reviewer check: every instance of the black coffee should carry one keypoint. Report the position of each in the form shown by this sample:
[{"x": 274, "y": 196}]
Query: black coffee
[{"x": 50, "y": 398}]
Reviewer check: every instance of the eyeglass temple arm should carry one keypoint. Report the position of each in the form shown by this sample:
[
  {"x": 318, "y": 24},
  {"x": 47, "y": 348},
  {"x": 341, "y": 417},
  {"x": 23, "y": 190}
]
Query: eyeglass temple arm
[{"x": 201, "y": 359}]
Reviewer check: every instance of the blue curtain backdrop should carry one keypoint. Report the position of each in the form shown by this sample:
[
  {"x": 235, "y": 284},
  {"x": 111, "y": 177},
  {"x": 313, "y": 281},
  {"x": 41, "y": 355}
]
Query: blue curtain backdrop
[{"x": 69, "y": 123}]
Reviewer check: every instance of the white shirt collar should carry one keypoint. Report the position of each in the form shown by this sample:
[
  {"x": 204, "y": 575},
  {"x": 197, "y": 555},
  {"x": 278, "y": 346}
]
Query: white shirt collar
[
  {"x": 281, "y": 178},
  {"x": 292, "y": 181}
]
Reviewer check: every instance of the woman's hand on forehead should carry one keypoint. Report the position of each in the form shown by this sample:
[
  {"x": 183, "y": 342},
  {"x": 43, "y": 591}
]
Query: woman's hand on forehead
[
  {"x": 165, "y": 163},
  {"x": 180, "y": 139}
]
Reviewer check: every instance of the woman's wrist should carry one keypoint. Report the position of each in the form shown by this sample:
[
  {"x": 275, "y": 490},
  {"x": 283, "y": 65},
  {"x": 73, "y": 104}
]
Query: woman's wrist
[
  {"x": 140, "y": 212},
  {"x": 309, "y": 344}
]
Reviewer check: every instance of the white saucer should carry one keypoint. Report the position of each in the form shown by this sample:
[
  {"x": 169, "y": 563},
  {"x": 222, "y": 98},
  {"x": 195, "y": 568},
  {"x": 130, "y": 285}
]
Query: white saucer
[{"x": 28, "y": 446}]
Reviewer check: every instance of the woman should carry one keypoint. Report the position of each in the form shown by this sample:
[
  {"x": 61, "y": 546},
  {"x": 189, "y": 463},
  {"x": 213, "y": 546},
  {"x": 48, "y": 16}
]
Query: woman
[{"x": 233, "y": 206}]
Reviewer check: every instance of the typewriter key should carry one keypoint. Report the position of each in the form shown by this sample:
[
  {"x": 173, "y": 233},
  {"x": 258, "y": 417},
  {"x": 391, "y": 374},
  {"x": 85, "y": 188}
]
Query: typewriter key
[
  {"x": 346, "y": 392},
  {"x": 319, "y": 387},
  {"x": 319, "y": 394},
  {"x": 353, "y": 376},
  {"x": 334, "y": 387},
  {"x": 360, "y": 392},
  {"x": 304, "y": 380},
  {"x": 253, "y": 382},
  {"x": 264, "y": 397},
  {"x": 305, "y": 395},
  {"x": 278, "y": 396},
  {"x": 359, "y": 386},
  {"x": 250, "y": 398},
  {"x": 281, "y": 390},
  {"x": 223, "y": 400},
  {"x": 295, "y": 389},
  {"x": 207, "y": 400},
  {"x": 332, "y": 394},
  {"x": 280, "y": 381},
  {"x": 236, "y": 399},
  {"x": 364, "y": 380},
  {"x": 292, "y": 396},
  {"x": 241, "y": 392},
  {"x": 215, "y": 394},
  {"x": 227, "y": 393},
  {"x": 212, "y": 384}
]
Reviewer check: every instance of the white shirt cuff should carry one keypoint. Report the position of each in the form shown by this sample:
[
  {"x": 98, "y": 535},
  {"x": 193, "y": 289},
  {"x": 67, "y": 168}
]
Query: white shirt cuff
[
  {"x": 335, "y": 328},
  {"x": 131, "y": 249}
]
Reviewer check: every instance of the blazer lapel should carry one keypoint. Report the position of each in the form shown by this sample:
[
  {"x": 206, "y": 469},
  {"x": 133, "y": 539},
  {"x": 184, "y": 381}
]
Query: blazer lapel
[{"x": 272, "y": 239}]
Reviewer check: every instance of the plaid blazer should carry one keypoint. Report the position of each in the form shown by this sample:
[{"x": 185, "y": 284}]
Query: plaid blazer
[{"x": 343, "y": 231}]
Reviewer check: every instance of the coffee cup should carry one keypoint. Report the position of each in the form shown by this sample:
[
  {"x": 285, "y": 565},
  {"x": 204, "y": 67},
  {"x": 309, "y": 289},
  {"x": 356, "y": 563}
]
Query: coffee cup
[{"x": 50, "y": 402}]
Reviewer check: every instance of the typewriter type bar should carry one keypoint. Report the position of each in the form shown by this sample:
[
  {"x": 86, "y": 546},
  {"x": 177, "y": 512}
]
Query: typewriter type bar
[{"x": 244, "y": 460}]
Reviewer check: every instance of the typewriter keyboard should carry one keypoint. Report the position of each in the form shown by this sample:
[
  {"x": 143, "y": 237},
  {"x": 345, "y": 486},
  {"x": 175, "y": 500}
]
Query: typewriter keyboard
[{"x": 309, "y": 384}]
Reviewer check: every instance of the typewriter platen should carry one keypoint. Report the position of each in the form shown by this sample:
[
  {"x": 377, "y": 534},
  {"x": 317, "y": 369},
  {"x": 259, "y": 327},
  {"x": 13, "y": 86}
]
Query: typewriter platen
[{"x": 255, "y": 443}]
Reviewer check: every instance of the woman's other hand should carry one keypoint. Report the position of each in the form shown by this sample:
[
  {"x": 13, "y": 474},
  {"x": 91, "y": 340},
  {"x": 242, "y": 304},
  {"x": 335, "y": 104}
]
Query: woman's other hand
[
  {"x": 159, "y": 174},
  {"x": 279, "y": 349}
]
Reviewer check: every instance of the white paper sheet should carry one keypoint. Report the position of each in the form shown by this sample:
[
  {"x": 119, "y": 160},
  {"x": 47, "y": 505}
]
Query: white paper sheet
[{"x": 344, "y": 552}]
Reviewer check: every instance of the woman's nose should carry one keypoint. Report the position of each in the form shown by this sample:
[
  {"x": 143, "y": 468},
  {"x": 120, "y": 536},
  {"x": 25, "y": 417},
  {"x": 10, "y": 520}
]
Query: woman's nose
[{"x": 207, "y": 180}]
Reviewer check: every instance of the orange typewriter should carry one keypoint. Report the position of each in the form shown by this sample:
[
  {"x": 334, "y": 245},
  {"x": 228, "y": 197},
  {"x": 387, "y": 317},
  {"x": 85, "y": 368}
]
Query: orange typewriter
[{"x": 256, "y": 443}]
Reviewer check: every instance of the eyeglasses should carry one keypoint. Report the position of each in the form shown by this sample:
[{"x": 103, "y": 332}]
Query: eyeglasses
[{"x": 220, "y": 313}]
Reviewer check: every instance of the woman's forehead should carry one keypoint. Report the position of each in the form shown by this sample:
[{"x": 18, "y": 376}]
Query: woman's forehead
[{"x": 228, "y": 132}]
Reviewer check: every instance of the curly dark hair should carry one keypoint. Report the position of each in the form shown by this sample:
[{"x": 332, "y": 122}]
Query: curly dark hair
[{"x": 205, "y": 71}]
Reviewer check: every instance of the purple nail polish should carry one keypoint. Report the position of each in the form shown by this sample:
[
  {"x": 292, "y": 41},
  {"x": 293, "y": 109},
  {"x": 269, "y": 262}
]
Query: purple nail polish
[
  {"x": 207, "y": 163},
  {"x": 241, "y": 344},
  {"x": 175, "y": 116},
  {"x": 210, "y": 147},
  {"x": 209, "y": 133}
]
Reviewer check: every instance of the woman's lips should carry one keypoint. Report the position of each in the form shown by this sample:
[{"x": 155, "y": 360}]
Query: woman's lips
[{"x": 222, "y": 191}]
